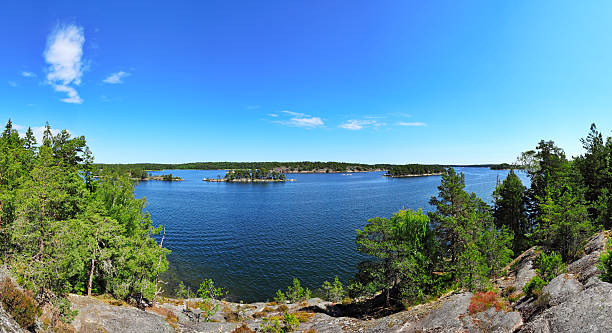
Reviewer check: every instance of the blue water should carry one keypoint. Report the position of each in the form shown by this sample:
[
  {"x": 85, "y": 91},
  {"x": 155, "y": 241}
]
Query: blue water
[{"x": 253, "y": 239}]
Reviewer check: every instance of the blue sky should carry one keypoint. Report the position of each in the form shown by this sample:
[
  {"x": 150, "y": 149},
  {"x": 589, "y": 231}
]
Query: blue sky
[{"x": 357, "y": 81}]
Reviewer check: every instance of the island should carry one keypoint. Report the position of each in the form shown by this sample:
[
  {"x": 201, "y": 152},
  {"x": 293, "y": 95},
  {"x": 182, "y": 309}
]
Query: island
[
  {"x": 414, "y": 170},
  {"x": 168, "y": 178},
  {"x": 251, "y": 176}
]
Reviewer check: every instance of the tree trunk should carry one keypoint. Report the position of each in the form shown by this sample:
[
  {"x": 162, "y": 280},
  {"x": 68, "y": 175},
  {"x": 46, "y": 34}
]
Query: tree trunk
[
  {"x": 161, "y": 245},
  {"x": 91, "y": 273}
]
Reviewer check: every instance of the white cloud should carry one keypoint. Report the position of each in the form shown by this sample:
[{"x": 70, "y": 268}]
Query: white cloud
[
  {"x": 355, "y": 125},
  {"x": 412, "y": 124},
  {"x": 116, "y": 78},
  {"x": 296, "y": 119},
  {"x": 309, "y": 122},
  {"x": 28, "y": 74},
  {"x": 12, "y": 84},
  {"x": 64, "y": 54}
]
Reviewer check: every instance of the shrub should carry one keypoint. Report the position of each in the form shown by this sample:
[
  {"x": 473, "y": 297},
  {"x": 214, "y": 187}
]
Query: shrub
[
  {"x": 303, "y": 316},
  {"x": 484, "y": 300},
  {"x": 273, "y": 324},
  {"x": 334, "y": 292},
  {"x": 65, "y": 313},
  {"x": 282, "y": 308},
  {"x": 294, "y": 293},
  {"x": 209, "y": 294},
  {"x": 19, "y": 304},
  {"x": 280, "y": 297},
  {"x": 549, "y": 266},
  {"x": 605, "y": 264},
  {"x": 534, "y": 286}
]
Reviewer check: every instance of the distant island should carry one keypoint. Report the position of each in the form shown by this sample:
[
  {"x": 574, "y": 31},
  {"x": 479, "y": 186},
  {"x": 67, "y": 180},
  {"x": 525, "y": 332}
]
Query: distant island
[
  {"x": 251, "y": 176},
  {"x": 414, "y": 170},
  {"x": 167, "y": 178}
]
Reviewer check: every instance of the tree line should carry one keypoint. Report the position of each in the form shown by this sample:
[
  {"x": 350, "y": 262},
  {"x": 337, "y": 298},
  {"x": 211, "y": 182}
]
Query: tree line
[
  {"x": 463, "y": 241},
  {"x": 414, "y": 169},
  {"x": 63, "y": 230}
]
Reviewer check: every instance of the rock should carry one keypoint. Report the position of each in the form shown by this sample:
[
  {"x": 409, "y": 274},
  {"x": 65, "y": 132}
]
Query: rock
[
  {"x": 585, "y": 267},
  {"x": 589, "y": 310},
  {"x": 445, "y": 319},
  {"x": 7, "y": 323},
  {"x": 494, "y": 321},
  {"x": 96, "y": 316},
  {"x": 561, "y": 288},
  {"x": 596, "y": 243}
]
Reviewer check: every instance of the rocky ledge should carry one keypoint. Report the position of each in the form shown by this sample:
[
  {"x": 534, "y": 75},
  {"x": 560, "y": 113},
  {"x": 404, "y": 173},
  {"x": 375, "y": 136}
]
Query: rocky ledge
[{"x": 575, "y": 301}]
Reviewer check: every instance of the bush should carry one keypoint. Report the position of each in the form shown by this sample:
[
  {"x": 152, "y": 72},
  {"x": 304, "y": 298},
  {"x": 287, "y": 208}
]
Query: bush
[
  {"x": 534, "y": 286},
  {"x": 334, "y": 292},
  {"x": 294, "y": 293},
  {"x": 66, "y": 314},
  {"x": 549, "y": 266},
  {"x": 19, "y": 304},
  {"x": 605, "y": 264},
  {"x": 210, "y": 294},
  {"x": 272, "y": 324},
  {"x": 483, "y": 301}
]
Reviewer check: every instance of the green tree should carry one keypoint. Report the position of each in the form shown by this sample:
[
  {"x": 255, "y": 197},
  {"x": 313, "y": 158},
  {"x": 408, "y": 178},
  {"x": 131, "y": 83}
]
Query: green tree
[
  {"x": 403, "y": 246},
  {"x": 564, "y": 222},
  {"x": 510, "y": 210},
  {"x": 451, "y": 207},
  {"x": 595, "y": 171}
]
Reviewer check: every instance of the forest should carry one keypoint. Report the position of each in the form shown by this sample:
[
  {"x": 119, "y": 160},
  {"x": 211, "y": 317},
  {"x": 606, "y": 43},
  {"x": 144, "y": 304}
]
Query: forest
[
  {"x": 63, "y": 231},
  {"x": 254, "y": 174}
]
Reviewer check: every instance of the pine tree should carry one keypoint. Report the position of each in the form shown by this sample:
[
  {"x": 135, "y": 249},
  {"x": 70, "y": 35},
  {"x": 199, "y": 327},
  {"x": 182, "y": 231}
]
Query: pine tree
[{"x": 510, "y": 210}]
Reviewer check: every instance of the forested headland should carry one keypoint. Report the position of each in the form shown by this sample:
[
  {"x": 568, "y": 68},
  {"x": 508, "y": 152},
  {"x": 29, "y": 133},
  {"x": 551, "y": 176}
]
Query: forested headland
[{"x": 251, "y": 176}]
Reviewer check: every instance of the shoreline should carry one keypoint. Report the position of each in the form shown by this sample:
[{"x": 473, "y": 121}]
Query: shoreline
[
  {"x": 246, "y": 180},
  {"x": 419, "y": 175}
]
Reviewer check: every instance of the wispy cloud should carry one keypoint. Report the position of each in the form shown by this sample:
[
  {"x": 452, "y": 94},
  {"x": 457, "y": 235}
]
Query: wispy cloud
[
  {"x": 296, "y": 119},
  {"x": 28, "y": 74},
  {"x": 12, "y": 84},
  {"x": 412, "y": 124},
  {"x": 116, "y": 78},
  {"x": 356, "y": 124},
  {"x": 64, "y": 54}
]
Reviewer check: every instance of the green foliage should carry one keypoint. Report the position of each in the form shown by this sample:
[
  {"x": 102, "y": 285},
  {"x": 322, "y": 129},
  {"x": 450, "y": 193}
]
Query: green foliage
[
  {"x": 273, "y": 324},
  {"x": 294, "y": 293},
  {"x": 534, "y": 286},
  {"x": 280, "y": 297},
  {"x": 210, "y": 296},
  {"x": 563, "y": 223},
  {"x": 405, "y": 248},
  {"x": 66, "y": 314},
  {"x": 510, "y": 210},
  {"x": 595, "y": 170},
  {"x": 59, "y": 224},
  {"x": 334, "y": 292},
  {"x": 19, "y": 304},
  {"x": 183, "y": 292},
  {"x": 605, "y": 263},
  {"x": 548, "y": 266}
]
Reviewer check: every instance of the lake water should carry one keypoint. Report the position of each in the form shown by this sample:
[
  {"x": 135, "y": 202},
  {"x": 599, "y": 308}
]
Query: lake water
[{"x": 253, "y": 239}]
